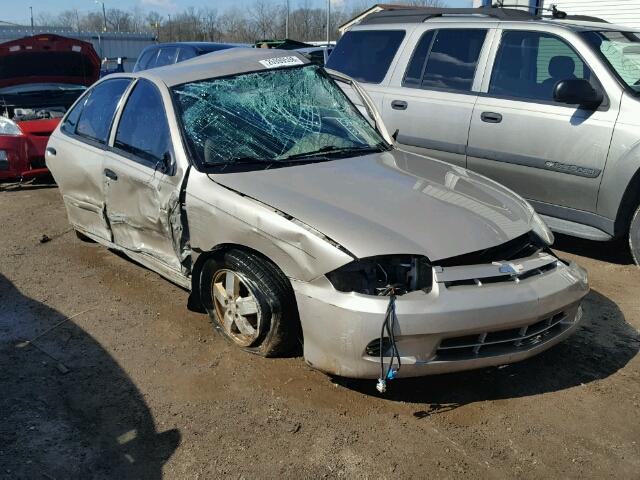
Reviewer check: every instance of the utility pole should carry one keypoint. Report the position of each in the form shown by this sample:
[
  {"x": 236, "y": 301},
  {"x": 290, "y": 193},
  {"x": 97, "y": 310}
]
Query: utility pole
[
  {"x": 286, "y": 22},
  {"x": 31, "y": 12},
  {"x": 328, "y": 20},
  {"x": 170, "y": 29},
  {"x": 77, "y": 20},
  {"x": 104, "y": 15}
]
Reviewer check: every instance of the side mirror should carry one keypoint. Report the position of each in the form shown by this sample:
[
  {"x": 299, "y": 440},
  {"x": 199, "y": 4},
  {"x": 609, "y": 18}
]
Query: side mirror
[
  {"x": 165, "y": 164},
  {"x": 578, "y": 92}
]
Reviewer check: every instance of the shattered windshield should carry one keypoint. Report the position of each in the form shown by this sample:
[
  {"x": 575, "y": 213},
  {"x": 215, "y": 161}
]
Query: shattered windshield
[
  {"x": 621, "y": 51},
  {"x": 272, "y": 118}
]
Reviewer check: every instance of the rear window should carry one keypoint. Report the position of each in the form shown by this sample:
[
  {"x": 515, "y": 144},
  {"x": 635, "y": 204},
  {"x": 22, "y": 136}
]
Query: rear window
[{"x": 366, "y": 55}]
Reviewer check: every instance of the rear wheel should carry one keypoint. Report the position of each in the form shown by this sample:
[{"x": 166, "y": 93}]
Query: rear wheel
[
  {"x": 250, "y": 303},
  {"x": 634, "y": 236}
]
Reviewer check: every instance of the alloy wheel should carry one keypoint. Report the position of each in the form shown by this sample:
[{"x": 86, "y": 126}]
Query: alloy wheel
[{"x": 237, "y": 309}]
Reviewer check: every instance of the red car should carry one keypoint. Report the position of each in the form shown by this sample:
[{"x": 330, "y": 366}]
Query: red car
[{"x": 40, "y": 78}]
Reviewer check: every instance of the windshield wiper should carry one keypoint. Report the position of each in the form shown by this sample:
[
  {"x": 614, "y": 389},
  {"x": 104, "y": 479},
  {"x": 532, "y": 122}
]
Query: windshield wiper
[
  {"x": 243, "y": 161},
  {"x": 333, "y": 151}
]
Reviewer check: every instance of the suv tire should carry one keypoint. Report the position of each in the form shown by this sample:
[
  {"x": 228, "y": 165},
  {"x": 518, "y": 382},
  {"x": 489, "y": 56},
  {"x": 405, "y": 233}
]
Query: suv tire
[
  {"x": 634, "y": 236},
  {"x": 250, "y": 303}
]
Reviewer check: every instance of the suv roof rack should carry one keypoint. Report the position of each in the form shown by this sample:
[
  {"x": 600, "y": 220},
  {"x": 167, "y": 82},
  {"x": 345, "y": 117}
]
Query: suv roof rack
[{"x": 421, "y": 14}]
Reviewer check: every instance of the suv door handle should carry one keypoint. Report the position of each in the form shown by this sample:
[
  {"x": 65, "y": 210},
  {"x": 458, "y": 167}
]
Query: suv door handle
[
  {"x": 110, "y": 174},
  {"x": 399, "y": 105},
  {"x": 491, "y": 117},
  {"x": 51, "y": 151}
]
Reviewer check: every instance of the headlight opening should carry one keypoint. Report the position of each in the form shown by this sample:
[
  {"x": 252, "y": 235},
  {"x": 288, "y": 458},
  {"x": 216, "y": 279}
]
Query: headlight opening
[{"x": 376, "y": 275}]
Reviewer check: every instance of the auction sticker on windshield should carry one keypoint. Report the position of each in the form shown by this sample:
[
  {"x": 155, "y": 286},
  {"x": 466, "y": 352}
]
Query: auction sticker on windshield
[{"x": 281, "y": 62}]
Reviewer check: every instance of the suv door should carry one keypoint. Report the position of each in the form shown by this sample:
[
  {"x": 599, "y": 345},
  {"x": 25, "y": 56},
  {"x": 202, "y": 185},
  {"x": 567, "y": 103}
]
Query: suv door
[
  {"x": 553, "y": 154},
  {"x": 76, "y": 156},
  {"x": 431, "y": 97},
  {"x": 143, "y": 183}
]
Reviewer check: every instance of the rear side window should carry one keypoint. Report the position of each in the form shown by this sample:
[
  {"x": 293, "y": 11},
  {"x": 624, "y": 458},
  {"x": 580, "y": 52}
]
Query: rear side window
[
  {"x": 446, "y": 59},
  {"x": 96, "y": 116},
  {"x": 167, "y": 56},
  {"x": 143, "y": 130},
  {"x": 366, "y": 55},
  {"x": 529, "y": 64},
  {"x": 71, "y": 122},
  {"x": 185, "y": 53},
  {"x": 145, "y": 59}
]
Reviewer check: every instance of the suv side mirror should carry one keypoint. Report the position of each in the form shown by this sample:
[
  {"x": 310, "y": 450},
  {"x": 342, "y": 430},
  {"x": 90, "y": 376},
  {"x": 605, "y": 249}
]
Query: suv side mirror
[{"x": 578, "y": 92}]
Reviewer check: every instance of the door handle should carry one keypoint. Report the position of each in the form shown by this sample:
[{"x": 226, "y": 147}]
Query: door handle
[
  {"x": 399, "y": 105},
  {"x": 491, "y": 117},
  {"x": 110, "y": 174},
  {"x": 51, "y": 151}
]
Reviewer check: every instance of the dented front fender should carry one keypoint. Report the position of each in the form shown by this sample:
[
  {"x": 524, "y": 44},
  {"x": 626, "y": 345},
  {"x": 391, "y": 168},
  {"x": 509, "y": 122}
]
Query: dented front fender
[{"x": 218, "y": 215}]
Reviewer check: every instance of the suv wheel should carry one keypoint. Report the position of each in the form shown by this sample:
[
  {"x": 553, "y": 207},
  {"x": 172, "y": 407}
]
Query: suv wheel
[
  {"x": 634, "y": 236},
  {"x": 250, "y": 303}
]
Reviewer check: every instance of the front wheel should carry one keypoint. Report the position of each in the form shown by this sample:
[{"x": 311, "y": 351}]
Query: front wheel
[
  {"x": 250, "y": 303},
  {"x": 634, "y": 236}
]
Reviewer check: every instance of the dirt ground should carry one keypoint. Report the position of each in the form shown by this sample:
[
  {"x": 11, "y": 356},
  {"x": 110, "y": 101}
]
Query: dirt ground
[{"x": 151, "y": 391}]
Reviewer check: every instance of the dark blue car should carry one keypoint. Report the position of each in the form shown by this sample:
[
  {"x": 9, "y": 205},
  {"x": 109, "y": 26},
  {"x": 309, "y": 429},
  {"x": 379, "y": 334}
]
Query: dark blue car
[{"x": 169, "y": 53}]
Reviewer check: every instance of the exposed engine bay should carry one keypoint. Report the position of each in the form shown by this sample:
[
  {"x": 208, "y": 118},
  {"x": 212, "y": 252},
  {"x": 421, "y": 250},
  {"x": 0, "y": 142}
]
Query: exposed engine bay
[{"x": 24, "y": 114}]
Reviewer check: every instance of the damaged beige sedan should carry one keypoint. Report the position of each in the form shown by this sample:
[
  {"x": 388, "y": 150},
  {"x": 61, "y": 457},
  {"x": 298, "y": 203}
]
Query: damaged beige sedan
[{"x": 251, "y": 178}]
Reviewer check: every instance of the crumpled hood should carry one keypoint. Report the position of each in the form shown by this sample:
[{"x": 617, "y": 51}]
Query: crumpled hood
[{"x": 391, "y": 202}]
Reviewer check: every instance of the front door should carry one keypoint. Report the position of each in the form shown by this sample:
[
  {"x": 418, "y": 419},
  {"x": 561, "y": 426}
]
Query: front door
[
  {"x": 142, "y": 181},
  {"x": 550, "y": 153}
]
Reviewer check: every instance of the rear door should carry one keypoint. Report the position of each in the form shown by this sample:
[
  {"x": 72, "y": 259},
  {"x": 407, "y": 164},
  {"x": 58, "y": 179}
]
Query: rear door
[
  {"x": 430, "y": 99},
  {"x": 143, "y": 182},
  {"x": 552, "y": 154},
  {"x": 75, "y": 156}
]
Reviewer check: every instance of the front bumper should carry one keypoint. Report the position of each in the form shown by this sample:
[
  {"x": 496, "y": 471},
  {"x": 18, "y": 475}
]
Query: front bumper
[{"x": 452, "y": 328}]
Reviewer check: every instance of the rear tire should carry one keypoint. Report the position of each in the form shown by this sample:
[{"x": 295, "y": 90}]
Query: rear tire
[
  {"x": 250, "y": 303},
  {"x": 634, "y": 236}
]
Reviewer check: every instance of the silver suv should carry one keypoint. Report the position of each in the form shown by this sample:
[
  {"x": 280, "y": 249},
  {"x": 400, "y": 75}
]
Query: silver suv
[{"x": 548, "y": 106}]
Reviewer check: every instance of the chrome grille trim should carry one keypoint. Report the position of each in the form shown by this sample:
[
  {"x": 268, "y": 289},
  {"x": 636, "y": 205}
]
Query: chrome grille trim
[{"x": 496, "y": 272}]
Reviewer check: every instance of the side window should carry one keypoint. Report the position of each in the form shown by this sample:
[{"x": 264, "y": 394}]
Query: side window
[
  {"x": 167, "y": 56},
  {"x": 185, "y": 54},
  {"x": 529, "y": 65},
  {"x": 146, "y": 58},
  {"x": 143, "y": 130},
  {"x": 446, "y": 59},
  {"x": 365, "y": 55},
  {"x": 71, "y": 121},
  {"x": 96, "y": 116}
]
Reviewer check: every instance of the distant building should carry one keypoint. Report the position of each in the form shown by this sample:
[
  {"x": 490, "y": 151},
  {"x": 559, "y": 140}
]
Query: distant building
[
  {"x": 621, "y": 12},
  {"x": 106, "y": 44}
]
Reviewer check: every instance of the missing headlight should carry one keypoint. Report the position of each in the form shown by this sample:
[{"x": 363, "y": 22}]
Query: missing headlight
[{"x": 374, "y": 275}]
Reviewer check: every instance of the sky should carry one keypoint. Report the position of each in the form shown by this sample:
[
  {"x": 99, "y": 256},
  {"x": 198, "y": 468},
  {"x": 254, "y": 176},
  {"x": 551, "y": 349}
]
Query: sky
[{"x": 18, "y": 12}]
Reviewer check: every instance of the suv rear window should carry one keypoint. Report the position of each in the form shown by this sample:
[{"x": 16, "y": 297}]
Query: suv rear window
[{"x": 366, "y": 55}]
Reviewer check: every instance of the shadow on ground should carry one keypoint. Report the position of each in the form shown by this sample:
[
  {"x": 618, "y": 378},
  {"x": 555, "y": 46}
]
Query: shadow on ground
[
  {"x": 616, "y": 251},
  {"x": 90, "y": 422},
  {"x": 604, "y": 344}
]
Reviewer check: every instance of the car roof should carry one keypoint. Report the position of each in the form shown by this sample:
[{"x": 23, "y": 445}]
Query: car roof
[
  {"x": 403, "y": 17},
  {"x": 222, "y": 63}
]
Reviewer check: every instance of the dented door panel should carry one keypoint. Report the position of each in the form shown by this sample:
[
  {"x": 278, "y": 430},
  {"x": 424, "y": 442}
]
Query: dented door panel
[
  {"x": 77, "y": 167},
  {"x": 143, "y": 209}
]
